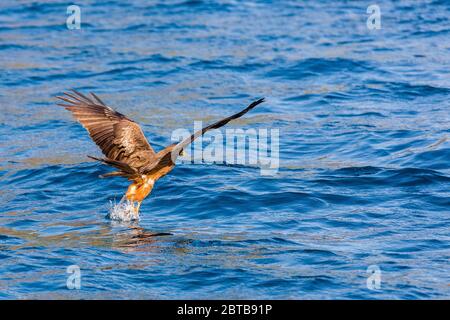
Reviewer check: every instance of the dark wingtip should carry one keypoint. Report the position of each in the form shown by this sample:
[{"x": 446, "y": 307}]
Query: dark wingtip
[{"x": 255, "y": 103}]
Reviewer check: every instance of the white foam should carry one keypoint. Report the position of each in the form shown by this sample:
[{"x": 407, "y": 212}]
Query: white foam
[{"x": 122, "y": 211}]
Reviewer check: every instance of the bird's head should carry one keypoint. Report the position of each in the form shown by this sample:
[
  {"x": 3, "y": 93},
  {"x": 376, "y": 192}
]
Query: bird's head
[{"x": 182, "y": 153}]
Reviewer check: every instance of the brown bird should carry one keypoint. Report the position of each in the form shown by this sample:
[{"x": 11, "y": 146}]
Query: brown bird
[{"x": 125, "y": 146}]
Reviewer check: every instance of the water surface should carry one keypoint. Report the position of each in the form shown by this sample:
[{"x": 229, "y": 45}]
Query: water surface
[{"x": 364, "y": 146}]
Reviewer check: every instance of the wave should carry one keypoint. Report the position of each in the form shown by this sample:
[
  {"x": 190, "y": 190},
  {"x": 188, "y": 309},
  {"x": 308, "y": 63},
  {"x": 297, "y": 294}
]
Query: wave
[{"x": 314, "y": 67}]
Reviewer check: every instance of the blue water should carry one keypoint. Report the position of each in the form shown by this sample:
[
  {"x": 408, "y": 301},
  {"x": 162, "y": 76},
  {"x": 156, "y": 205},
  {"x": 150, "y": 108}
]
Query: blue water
[{"x": 364, "y": 150}]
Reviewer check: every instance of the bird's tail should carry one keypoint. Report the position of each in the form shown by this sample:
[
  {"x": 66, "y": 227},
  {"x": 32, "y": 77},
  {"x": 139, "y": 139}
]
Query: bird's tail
[{"x": 124, "y": 169}]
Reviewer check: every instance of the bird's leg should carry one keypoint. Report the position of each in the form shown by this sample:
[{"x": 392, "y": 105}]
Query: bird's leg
[
  {"x": 123, "y": 198},
  {"x": 136, "y": 209}
]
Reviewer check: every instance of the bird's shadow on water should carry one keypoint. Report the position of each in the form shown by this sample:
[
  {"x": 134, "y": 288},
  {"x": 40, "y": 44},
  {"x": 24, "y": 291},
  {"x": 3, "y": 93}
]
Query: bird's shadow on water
[{"x": 128, "y": 234}]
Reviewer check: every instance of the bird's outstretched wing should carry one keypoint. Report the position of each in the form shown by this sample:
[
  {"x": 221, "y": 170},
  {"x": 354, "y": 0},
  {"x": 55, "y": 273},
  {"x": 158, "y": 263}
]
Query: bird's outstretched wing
[
  {"x": 217, "y": 124},
  {"x": 169, "y": 154},
  {"x": 119, "y": 138}
]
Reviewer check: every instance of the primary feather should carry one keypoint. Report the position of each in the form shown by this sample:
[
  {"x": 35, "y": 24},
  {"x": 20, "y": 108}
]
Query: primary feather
[{"x": 120, "y": 138}]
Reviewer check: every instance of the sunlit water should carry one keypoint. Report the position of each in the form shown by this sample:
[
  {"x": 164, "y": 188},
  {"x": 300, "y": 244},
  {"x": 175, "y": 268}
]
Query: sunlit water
[{"x": 364, "y": 146}]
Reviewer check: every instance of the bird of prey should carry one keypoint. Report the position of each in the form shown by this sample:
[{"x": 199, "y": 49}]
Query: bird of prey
[{"x": 124, "y": 145}]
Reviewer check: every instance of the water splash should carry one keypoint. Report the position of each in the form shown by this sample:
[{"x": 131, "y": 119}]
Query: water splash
[{"x": 122, "y": 211}]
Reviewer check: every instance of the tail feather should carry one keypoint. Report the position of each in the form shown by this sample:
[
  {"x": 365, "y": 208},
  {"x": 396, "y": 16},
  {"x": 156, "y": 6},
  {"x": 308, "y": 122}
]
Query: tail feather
[
  {"x": 124, "y": 169},
  {"x": 114, "y": 174}
]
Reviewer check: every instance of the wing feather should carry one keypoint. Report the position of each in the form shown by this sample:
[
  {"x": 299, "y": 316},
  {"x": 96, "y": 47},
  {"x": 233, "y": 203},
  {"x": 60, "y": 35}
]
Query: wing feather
[
  {"x": 217, "y": 124},
  {"x": 168, "y": 155},
  {"x": 119, "y": 138}
]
